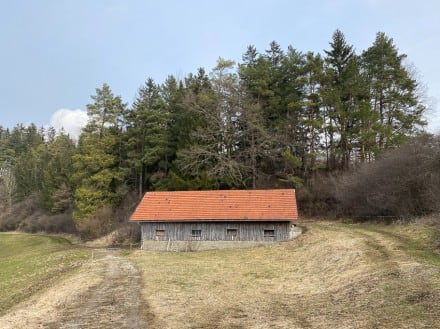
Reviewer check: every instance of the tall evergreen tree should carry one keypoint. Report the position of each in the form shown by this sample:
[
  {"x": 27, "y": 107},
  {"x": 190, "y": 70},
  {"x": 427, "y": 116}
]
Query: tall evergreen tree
[
  {"x": 148, "y": 136},
  {"x": 392, "y": 92},
  {"x": 173, "y": 92},
  {"x": 105, "y": 112},
  {"x": 313, "y": 120},
  {"x": 256, "y": 144},
  {"x": 56, "y": 194},
  {"x": 273, "y": 108},
  {"x": 291, "y": 130},
  {"x": 340, "y": 95},
  {"x": 98, "y": 177}
]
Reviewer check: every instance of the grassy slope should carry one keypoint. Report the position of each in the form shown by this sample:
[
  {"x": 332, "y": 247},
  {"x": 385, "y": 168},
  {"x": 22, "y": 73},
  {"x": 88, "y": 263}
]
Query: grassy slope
[
  {"x": 334, "y": 276},
  {"x": 29, "y": 263}
]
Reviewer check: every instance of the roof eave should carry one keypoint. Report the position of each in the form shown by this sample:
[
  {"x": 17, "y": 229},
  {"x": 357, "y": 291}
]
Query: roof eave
[{"x": 213, "y": 220}]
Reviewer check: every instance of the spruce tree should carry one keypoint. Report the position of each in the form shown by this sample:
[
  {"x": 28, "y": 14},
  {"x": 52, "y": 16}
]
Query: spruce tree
[
  {"x": 341, "y": 94},
  {"x": 148, "y": 124}
]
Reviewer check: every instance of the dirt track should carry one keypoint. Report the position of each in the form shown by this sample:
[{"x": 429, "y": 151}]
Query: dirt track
[{"x": 104, "y": 293}]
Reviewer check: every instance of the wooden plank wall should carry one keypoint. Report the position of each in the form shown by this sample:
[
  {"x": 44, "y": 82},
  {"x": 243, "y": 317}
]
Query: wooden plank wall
[{"x": 216, "y": 231}]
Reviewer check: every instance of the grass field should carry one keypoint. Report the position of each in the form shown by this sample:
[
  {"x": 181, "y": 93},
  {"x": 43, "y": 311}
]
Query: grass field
[
  {"x": 29, "y": 263},
  {"x": 334, "y": 276}
]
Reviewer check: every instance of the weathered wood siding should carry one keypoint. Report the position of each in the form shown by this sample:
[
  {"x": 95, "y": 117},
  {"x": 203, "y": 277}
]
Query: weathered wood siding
[{"x": 216, "y": 231}]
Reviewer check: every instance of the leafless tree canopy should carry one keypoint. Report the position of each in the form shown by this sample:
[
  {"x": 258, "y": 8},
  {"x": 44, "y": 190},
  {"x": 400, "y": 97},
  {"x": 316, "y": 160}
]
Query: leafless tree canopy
[{"x": 403, "y": 183}]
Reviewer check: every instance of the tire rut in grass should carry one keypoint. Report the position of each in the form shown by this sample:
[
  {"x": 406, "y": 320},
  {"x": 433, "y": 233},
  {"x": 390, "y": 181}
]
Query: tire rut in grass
[{"x": 115, "y": 303}]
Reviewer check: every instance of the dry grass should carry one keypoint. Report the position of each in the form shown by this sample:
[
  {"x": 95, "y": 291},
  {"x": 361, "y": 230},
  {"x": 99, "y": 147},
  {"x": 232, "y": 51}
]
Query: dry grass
[{"x": 334, "y": 276}]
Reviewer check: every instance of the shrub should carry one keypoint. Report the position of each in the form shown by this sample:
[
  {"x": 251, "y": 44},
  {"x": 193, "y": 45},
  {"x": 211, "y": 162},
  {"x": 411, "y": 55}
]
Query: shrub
[
  {"x": 403, "y": 183},
  {"x": 97, "y": 225},
  {"x": 59, "y": 223},
  {"x": 318, "y": 198},
  {"x": 12, "y": 220},
  {"x": 109, "y": 219},
  {"x": 27, "y": 216},
  {"x": 127, "y": 234}
]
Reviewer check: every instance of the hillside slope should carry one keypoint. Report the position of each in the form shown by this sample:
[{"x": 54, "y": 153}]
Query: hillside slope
[
  {"x": 334, "y": 276},
  {"x": 29, "y": 263}
]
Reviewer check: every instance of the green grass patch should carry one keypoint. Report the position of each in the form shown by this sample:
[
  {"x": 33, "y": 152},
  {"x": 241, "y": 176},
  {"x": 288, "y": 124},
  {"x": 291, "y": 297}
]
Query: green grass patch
[
  {"x": 29, "y": 263},
  {"x": 417, "y": 241}
]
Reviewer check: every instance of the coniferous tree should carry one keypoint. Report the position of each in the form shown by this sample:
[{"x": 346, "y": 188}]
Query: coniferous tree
[
  {"x": 392, "y": 92},
  {"x": 98, "y": 177},
  {"x": 340, "y": 96},
  {"x": 7, "y": 177},
  {"x": 56, "y": 192},
  {"x": 291, "y": 130},
  {"x": 273, "y": 108},
  {"x": 105, "y": 112},
  {"x": 173, "y": 92},
  {"x": 276, "y": 120},
  {"x": 29, "y": 152},
  {"x": 312, "y": 120},
  {"x": 256, "y": 140},
  {"x": 148, "y": 137}
]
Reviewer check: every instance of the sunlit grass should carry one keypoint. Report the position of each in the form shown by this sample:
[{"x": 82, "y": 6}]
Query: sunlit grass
[
  {"x": 334, "y": 276},
  {"x": 420, "y": 242},
  {"x": 29, "y": 263}
]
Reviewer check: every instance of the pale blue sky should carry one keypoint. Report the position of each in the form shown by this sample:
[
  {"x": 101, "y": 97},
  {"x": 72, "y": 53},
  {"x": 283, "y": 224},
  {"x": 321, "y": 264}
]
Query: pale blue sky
[{"x": 54, "y": 53}]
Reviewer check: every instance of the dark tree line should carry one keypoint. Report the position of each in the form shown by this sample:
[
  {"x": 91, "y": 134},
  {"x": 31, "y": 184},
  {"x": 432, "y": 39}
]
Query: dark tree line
[{"x": 276, "y": 119}]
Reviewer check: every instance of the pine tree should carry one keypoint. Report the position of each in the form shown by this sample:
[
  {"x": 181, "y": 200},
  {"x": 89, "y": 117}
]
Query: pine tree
[
  {"x": 392, "y": 92},
  {"x": 105, "y": 112},
  {"x": 98, "y": 178}
]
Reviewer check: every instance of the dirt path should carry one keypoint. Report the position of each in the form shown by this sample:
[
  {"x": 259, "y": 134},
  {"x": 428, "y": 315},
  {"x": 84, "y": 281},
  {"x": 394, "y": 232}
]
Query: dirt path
[{"x": 104, "y": 293}]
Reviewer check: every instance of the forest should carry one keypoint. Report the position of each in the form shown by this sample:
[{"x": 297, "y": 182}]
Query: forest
[{"x": 336, "y": 126}]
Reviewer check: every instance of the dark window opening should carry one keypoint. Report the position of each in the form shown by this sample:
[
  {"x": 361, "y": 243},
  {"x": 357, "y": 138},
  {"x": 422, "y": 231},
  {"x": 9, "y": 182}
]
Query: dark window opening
[
  {"x": 196, "y": 234},
  {"x": 160, "y": 234},
  {"x": 269, "y": 233},
  {"x": 231, "y": 233}
]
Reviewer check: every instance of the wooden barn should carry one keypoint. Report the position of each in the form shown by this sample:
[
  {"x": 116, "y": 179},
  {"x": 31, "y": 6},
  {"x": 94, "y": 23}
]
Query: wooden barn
[{"x": 233, "y": 215}]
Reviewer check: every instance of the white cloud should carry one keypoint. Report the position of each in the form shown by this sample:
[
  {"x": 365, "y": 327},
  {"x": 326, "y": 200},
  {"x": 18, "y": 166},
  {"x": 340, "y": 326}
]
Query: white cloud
[{"x": 72, "y": 121}]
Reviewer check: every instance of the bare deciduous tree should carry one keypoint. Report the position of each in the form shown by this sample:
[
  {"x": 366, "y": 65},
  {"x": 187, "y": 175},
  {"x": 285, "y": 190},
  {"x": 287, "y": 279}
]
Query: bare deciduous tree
[
  {"x": 7, "y": 186},
  {"x": 403, "y": 183}
]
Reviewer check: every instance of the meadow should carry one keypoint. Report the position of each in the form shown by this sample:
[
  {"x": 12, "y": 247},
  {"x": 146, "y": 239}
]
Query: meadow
[
  {"x": 334, "y": 276},
  {"x": 30, "y": 263}
]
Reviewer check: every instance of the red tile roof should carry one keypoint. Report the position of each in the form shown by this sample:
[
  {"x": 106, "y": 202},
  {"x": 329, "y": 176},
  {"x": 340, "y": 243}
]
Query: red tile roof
[{"x": 261, "y": 205}]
